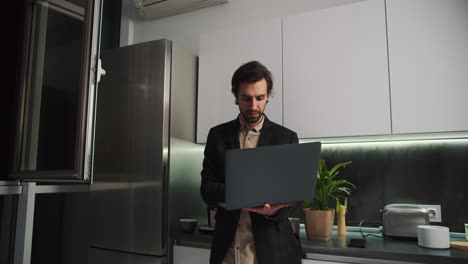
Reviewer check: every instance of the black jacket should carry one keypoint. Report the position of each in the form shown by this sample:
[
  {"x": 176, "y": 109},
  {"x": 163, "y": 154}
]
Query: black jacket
[{"x": 275, "y": 241}]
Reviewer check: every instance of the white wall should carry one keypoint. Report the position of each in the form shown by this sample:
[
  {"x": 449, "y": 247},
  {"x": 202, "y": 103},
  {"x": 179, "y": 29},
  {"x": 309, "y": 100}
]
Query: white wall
[{"x": 184, "y": 29}]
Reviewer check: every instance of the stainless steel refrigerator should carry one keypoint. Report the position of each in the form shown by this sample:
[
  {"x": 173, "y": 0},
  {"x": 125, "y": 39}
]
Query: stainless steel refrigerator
[{"x": 129, "y": 194}]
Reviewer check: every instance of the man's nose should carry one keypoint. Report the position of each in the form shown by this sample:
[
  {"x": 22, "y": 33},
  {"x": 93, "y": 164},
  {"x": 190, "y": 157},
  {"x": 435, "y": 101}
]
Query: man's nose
[{"x": 253, "y": 104}]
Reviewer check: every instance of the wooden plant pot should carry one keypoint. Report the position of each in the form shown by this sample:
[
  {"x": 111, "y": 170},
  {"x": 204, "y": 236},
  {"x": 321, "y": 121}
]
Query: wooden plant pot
[{"x": 319, "y": 224}]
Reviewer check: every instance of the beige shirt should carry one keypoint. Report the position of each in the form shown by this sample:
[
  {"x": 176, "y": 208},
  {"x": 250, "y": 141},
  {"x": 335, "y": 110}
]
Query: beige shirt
[{"x": 243, "y": 249}]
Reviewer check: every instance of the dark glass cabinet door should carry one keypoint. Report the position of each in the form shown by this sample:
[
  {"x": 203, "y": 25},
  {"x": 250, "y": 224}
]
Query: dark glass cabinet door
[
  {"x": 57, "y": 90},
  {"x": 7, "y": 218}
]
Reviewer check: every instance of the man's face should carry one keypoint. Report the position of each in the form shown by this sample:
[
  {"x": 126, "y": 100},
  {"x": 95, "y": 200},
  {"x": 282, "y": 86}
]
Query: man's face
[{"x": 252, "y": 99}]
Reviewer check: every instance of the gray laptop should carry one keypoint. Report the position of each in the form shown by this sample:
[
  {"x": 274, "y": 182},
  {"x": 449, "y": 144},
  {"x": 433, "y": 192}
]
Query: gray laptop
[{"x": 273, "y": 174}]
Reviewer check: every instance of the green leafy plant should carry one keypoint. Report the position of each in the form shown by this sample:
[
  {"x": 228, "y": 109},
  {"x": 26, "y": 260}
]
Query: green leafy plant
[{"x": 329, "y": 188}]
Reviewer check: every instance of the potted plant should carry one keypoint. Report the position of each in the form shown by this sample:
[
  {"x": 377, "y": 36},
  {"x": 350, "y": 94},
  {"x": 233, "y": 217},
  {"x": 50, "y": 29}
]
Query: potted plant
[{"x": 319, "y": 217}]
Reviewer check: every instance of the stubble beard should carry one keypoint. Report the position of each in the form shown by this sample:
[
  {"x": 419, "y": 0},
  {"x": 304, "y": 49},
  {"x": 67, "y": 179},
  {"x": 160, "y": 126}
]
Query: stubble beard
[{"x": 250, "y": 119}]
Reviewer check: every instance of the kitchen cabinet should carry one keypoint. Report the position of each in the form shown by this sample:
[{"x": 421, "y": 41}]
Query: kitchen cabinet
[
  {"x": 221, "y": 53},
  {"x": 50, "y": 225},
  {"x": 351, "y": 260},
  {"x": 193, "y": 255},
  {"x": 336, "y": 72},
  {"x": 8, "y": 196},
  {"x": 313, "y": 261},
  {"x": 428, "y": 65},
  {"x": 57, "y": 90}
]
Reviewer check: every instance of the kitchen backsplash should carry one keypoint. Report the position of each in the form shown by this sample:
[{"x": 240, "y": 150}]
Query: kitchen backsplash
[{"x": 416, "y": 172}]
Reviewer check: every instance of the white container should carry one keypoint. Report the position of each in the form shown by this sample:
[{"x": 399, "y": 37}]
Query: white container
[
  {"x": 430, "y": 236},
  {"x": 466, "y": 231}
]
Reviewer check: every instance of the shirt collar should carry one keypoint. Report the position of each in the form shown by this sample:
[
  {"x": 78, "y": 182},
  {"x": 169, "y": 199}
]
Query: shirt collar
[{"x": 245, "y": 127}]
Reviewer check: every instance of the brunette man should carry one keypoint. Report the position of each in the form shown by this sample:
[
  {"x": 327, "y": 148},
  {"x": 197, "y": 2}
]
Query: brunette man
[{"x": 252, "y": 235}]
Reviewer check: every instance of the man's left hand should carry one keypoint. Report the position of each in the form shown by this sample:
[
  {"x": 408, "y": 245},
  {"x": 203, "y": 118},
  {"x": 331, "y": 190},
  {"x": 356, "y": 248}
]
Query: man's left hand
[{"x": 267, "y": 209}]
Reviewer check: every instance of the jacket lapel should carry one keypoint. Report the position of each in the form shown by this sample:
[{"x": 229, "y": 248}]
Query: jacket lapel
[
  {"x": 265, "y": 135},
  {"x": 233, "y": 137}
]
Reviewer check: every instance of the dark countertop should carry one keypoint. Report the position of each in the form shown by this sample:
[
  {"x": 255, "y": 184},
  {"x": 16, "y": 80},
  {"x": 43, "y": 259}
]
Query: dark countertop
[{"x": 336, "y": 249}]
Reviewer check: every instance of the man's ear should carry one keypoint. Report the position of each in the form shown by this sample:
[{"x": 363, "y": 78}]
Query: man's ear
[{"x": 236, "y": 102}]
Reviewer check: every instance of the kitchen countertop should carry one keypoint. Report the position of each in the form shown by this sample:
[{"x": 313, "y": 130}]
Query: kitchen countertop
[{"x": 336, "y": 249}]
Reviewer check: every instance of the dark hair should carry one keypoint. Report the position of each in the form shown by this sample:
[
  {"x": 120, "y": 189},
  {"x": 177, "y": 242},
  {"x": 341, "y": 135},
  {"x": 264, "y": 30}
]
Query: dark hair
[{"x": 251, "y": 72}]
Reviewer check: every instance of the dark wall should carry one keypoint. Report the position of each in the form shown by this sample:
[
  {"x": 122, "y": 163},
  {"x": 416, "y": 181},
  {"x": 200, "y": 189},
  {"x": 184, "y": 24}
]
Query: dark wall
[{"x": 418, "y": 172}]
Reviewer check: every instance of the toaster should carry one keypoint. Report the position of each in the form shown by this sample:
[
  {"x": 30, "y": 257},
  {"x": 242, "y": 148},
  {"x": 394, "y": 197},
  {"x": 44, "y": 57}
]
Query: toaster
[{"x": 401, "y": 221}]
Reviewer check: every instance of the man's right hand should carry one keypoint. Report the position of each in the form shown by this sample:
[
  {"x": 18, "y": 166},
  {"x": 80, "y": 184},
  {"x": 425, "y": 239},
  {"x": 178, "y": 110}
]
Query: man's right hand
[{"x": 267, "y": 209}]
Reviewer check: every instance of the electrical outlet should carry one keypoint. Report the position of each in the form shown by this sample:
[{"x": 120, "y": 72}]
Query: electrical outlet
[{"x": 435, "y": 212}]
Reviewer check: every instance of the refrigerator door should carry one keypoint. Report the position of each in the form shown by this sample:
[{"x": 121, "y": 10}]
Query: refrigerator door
[{"x": 129, "y": 190}]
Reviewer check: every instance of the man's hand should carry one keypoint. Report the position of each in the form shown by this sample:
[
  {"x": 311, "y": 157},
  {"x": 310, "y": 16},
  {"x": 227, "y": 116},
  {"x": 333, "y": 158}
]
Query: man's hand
[{"x": 267, "y": 209}]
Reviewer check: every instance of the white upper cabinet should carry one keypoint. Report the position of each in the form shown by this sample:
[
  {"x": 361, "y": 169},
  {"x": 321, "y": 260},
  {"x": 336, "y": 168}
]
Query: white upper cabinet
[
  {"x": 221, "y": 53},
  {"x": 428, "y": 51},
  {"x": 336, "y": 71}
]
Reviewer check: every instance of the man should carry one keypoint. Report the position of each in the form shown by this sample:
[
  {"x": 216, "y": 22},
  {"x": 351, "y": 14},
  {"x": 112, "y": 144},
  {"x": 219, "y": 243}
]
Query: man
[{"x": 251, "y": 235}]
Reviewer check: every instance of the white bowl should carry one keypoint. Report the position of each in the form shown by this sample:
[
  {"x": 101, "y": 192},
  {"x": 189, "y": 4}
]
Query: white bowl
[
  {"x": 430, "y": 236},
  {"x": 188, "y": 225}
]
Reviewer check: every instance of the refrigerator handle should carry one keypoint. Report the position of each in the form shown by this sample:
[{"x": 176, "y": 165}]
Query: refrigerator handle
[{"x": 100, "y": 71}]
